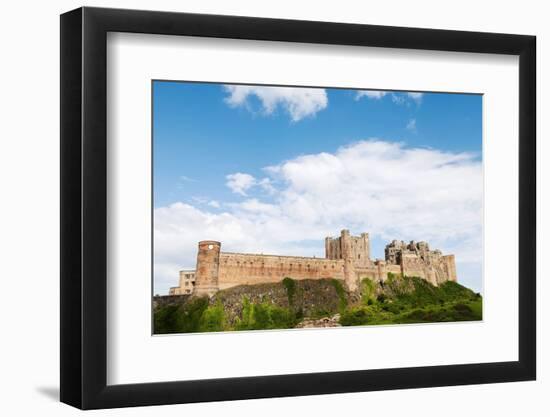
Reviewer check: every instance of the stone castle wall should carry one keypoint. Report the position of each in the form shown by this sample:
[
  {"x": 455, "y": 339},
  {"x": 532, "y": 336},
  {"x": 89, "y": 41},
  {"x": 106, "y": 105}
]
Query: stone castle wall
[
  {"x": 245, "y": 269},
  {"x": 347, "y": 258}
]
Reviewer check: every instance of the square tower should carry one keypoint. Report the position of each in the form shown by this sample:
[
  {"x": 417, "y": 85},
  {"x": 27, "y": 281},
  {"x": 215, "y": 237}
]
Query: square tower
[{"x": 354, "y": 248}]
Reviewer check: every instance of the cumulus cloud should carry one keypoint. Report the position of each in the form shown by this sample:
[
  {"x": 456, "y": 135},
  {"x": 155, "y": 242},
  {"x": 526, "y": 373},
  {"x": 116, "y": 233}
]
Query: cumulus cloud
[
  {"x": 240, "y": 183},
  {"x": 297, "y": 102},
  {"x": 385, "y": 188},
  {"x": 376, "y": 95}
]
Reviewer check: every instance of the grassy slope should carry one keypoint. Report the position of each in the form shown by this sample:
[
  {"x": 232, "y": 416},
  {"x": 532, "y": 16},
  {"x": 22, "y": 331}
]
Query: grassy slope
[
  {"x": 398, "y": 300},
  {"x": 413, "y": 300}
]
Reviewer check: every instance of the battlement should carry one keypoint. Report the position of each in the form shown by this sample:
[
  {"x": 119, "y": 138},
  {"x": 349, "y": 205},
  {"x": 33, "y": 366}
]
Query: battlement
[{"x": 416, "y": 259}]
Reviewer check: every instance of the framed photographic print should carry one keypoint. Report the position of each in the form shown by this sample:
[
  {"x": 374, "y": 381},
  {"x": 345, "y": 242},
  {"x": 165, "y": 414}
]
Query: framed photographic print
[{"x": 258, "y": 207}]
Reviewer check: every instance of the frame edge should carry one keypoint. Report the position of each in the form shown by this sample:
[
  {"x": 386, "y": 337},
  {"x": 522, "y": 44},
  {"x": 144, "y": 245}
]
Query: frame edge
[{"x": 70, "y": 215}]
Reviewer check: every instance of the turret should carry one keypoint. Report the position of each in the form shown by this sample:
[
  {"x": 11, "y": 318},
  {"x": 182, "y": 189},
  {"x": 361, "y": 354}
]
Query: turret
[{"x": 208, "y": 264}]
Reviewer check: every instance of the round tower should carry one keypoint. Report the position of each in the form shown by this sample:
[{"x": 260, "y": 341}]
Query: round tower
[{"x": 208, "y": 263}]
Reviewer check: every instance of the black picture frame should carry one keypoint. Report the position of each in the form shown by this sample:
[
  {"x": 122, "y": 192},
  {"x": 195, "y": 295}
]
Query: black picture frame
[{"x": 84, "y": 207}]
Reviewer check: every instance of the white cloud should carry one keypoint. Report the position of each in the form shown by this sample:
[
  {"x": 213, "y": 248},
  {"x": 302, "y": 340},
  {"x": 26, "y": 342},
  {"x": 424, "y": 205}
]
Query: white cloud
[
  {"x": 214, "y": 204},
  {"x": 297, "y": 102},
  {"x": 398, "y": 98},
  {"x": 267, "y": 185},
  {"x": 373, "y": 94},
  {"x": 385, "y": 188},
  {"x": 416, "y": 97},
  {"x": 405, "y": 98},
  {"x": 411, "y": 125},
  {"x": 239, "y": 183}
]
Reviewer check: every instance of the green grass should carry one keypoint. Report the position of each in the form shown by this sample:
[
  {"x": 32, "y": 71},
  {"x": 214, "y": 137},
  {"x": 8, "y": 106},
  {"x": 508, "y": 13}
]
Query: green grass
[
  {"x": 412, "y": 300},
  {"x": 368, "y": 291}
]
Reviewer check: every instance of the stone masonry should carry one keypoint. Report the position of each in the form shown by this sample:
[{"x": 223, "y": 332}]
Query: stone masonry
[
  {"x": 186, "y": 283},
  {"x": 346, "y": 258}
]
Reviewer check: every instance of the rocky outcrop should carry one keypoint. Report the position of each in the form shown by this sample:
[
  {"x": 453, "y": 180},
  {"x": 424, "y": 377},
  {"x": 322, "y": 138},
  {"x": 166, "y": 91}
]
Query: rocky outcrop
[
  {"x": 307, "y": 298},
  {"x": 322, "y": 322}
]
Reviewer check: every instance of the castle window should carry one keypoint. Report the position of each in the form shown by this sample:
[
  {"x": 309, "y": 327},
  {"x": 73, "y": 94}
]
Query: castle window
[{"x": 359, "y": 256}]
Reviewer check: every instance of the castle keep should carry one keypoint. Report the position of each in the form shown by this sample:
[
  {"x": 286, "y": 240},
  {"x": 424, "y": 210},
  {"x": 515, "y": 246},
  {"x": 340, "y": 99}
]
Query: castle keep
[{"x": 346, "y": 258}]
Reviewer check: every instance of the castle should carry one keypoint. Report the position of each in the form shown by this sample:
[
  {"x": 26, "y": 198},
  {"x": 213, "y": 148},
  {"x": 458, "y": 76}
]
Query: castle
[{"x": 346, "y": 258}]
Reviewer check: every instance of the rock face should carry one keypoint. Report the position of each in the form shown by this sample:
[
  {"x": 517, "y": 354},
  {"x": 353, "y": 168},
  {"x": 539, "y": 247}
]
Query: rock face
[
  {"x": 309, "y": 298},
  {"x": 322, "y": 322},
  {"x": 164, "y": 300}
]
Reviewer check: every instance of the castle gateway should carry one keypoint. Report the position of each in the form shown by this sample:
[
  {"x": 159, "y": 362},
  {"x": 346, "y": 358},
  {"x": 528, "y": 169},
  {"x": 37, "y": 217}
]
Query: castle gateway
[{"x": 346, "y": 258}]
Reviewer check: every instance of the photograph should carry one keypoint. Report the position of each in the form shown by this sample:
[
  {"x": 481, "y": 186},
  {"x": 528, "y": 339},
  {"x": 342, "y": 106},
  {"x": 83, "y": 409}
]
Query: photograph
[
  {"x": 294, "y": 207},
  {"x": 267, "y": 209}
]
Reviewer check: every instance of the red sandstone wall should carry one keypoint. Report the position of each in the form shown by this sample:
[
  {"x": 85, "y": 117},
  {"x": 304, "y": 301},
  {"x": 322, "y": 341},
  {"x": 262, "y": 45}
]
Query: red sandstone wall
[
  {"x": 239, "y": 269},
  {"x": 378, "y": 271},
  {"x": 451, "y": 267},
  {"x": 415, "y": 267}
]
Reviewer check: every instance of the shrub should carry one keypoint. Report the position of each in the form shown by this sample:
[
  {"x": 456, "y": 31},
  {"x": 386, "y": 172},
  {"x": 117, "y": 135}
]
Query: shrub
[
  {"x": 368, "y": 291},
  {"x": 212, "y": 319},
  {"x": 262, "y": 316},
  {"x": 341, "y": 292},
  {"x": 319, "y": 312},
  {"x": 290, "y": 286},
  {"x": 463, "y": 308},
  {"x": 192, "y": 313},
  {"x": 174, "y": 318},
  {"x": 166, "y": 319},
  {"x": 391, "y": 276},
  {"x": 356, "y": 317},
  {"x": 281, "y": 318},
  {"x": 247, "y": 315}
]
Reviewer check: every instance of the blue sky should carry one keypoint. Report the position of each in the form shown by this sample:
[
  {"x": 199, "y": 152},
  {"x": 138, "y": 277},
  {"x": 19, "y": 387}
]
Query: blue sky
[{"x": 241, "y": 160}]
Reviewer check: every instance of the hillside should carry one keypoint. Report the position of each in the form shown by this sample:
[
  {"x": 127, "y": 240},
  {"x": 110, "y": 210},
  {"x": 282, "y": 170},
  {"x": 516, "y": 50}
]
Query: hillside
[{"x": 318, "y": 303}]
